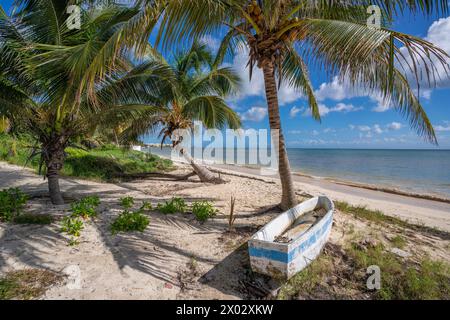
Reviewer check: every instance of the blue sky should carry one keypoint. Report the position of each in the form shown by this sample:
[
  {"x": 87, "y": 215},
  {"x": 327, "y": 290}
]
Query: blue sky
[{"x": 350, "y": 118}]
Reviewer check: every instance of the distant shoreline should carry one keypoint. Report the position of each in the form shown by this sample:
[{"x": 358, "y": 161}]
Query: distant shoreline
[
  {"x": 252, "y": 171},
  {"x": 426, "y": 196},
  {"x": 416, "y": 187}
]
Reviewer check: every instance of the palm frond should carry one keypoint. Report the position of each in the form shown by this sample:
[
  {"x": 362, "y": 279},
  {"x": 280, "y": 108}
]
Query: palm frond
[
  {"x": 212, "y": 111},
  {"x": 295, "y": 71}
]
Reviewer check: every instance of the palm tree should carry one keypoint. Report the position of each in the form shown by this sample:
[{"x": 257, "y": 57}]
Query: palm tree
[
  {"x": 286, "y": 37},
  {"x": 196, "y": 91},
  {"x": 55, "y": 82}
]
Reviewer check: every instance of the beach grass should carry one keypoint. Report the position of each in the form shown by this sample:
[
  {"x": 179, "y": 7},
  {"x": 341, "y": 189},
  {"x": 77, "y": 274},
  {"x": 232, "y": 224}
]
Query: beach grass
[
  {"x": 343, "y": 276},
  {"x": 402, "y": 279},
  {"x": 26, "y": 284},
  {"x": 107, "y": 163},
  {"x": 399, "y": 242},
  {"x": 307, "y": 281},
  {"x": 367, "y": 214},
  {"x": 340, "y": 271},
  {"x": 376, "y": 216}
]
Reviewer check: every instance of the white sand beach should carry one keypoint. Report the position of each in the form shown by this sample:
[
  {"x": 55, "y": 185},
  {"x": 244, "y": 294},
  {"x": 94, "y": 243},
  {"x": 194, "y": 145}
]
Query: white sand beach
[{"x": 177, "y": 257}]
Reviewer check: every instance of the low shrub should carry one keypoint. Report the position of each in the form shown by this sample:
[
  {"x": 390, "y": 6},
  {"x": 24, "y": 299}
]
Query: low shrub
[
  {"x": 130, "y": 221},
  {"x": 106, "y": 163},
  {"x": 12, "y": 201},
  {"x": 72, "y": 226},
  {"x": 173, "y": 206},
  {"x": 146, "y": 206},
  {"x": 127, "y": 202},
  {"x": 203, "y": 210},
  {"x": 86, "y": 207}
]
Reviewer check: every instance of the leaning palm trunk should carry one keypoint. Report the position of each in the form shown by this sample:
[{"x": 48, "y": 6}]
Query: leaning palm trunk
[
  {"x": 203, "y": 173},
  {"x": 288, "y": 198},
  {"x": 54, "y": 160}
]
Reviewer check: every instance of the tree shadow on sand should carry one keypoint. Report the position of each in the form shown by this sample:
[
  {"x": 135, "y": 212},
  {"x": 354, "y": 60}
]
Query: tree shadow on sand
[
  {"x": 28, "y": 246},
  {"x": 154, "y": 251},
  {"x": 233, "y": 276},
  {"x": 159, "y": 251}
]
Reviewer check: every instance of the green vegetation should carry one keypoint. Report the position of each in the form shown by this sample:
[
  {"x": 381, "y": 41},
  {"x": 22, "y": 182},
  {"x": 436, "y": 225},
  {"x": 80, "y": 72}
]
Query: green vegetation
[
  {"x": 146, "y": 206},
  {"x": 399, "y": 242},
  {"x": 127, "y": 202},
  {"x": 82, "y": 209},
  {"x": 343, "y": 275},
  {"x": 203, "y": 210},
  {"x": 173, "y": 206},
  {"x": 85, "y": 208},
  {"x": 130, "y": 221},
  {"x": 29, "y": 218},
  {"x": 12, "y": 201},
  {"x": 198, "y": 93},
  {"x": 26, "y": 284},
  {"x": 400, "y": 280},
  {"x": 306, "y": 282},
  {"x": 371, "y": 215},
  {"x": 277, "y": 33},
  {"x": 341, "y": 272},
  {"x": 107, "y": 163},
  {"x": 63, "y": 88},
  {"x": 72, "y": 226},
  {"x": 379, "y": 217}
]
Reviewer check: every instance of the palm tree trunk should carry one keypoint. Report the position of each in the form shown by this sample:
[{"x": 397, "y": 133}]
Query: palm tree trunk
[
  {"x": 54, "y": 161},
  {"x": 288, "y": 198},
  {"x": 204, "y": 174}
]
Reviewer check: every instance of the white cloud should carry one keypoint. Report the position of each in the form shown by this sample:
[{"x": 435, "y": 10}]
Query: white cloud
[
  {"x": 443, "y": 128},
  {"x": 334, "y": 90},
  {"x": 382, "y": 104},
  {"x": 394, "y": 126},
  {"x": 288, "y": 94},
  {"x": 211, "y": 42},
  {"x": 294, "y": 111},
  {"x": 438, "y": 34},
  {"x": 377, "y": 129},
  {"x": 338, "y": 90},
  {"x": 364, "y": 128},
  {"x": 340, "y": 107},
  {"x": 255, "y": 114},
  {"x": 368, "y": 130},
  {"x": 255, "y": 87}
]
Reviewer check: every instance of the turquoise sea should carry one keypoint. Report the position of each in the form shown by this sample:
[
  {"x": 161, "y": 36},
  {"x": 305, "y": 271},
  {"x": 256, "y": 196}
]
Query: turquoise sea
[{"x": 416, "y": 171}]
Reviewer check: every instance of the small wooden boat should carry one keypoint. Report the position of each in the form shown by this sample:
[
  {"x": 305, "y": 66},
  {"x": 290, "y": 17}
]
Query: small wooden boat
[{"x": 291, "y": 241}]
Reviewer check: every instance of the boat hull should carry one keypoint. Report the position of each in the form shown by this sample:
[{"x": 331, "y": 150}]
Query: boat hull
[{"x": 283, "y": 260}]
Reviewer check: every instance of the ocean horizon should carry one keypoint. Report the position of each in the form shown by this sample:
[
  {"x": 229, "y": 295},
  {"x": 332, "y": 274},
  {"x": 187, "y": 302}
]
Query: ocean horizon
[{"x": 422, "y": 171}]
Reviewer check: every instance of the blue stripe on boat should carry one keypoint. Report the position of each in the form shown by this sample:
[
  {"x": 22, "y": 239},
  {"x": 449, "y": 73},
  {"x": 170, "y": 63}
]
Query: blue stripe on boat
[
  {"x": 269, "y": 254},
  {"x": 288, "y": 257}
]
